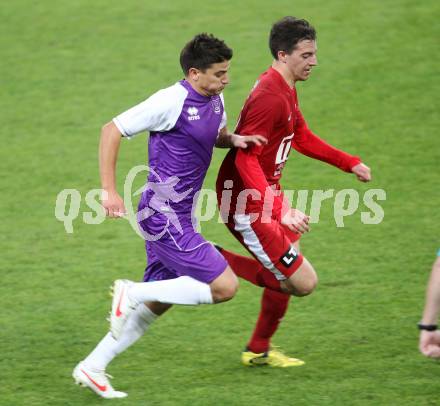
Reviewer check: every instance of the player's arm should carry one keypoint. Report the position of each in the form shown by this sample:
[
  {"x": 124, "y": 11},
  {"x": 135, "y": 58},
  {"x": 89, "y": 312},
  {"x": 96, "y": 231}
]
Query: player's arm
[
  {"x": 226, "y": 139},
  {"x": 254, "y": 178},
  {"x": 429, "y": 341},
  {"x": 307, "y": 143},
  {"x": 108, "y": 155}
]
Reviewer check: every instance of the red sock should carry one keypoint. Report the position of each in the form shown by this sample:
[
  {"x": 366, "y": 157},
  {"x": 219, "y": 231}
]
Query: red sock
[
  {"x": 251, "y": 270},
  {"x": 273, "y": 308}
]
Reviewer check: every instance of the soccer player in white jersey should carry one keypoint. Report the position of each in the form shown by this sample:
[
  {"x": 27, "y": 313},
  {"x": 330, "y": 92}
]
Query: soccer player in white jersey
[{"x": 185, "y": 122}]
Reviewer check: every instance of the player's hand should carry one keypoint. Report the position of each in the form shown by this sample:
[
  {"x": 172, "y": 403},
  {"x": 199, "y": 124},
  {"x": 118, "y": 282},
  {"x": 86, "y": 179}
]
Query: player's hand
[
  {"x": 362, "y": 172},
  {"x": 296, "y": 221},
  {"x": 429, "y": 343},
  {"x": 240, "y": 141},
  {"x": 113, "y": 204}
]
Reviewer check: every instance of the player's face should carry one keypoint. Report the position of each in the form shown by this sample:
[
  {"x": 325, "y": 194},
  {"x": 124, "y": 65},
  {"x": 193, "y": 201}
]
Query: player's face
[
  {"x": 302, "y": 59},
  {"x": 213, "y": 80}
]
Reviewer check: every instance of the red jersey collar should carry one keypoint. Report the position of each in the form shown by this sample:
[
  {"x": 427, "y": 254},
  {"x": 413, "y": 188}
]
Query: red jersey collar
[{"x": 279, "y": 79}]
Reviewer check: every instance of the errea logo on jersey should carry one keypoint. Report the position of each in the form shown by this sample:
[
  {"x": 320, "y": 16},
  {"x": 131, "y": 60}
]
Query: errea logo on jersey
[{"x": 193, "y": 113}]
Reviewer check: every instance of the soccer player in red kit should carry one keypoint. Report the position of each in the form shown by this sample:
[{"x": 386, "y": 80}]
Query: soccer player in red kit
[{"x": 256, "y": 212}]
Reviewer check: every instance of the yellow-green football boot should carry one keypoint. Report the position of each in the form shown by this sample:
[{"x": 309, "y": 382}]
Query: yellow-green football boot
[{"x": 273, "y": 358}]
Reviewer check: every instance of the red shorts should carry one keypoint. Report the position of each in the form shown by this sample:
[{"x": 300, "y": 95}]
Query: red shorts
[{"x": 269, "y": 242}]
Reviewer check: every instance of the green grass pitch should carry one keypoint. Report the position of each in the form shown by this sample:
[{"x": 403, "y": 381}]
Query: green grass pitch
[{"x": 68, "y": 67}]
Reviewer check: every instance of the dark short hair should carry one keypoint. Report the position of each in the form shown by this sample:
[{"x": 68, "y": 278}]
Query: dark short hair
[
  {"x": 287, "y": 32},
  {"x": 203, "y": 51}
]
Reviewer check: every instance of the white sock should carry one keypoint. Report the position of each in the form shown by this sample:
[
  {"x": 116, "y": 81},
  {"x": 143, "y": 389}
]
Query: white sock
[
  {"x": 107, "y": 349},
  {"x": 183, "y": 290}
]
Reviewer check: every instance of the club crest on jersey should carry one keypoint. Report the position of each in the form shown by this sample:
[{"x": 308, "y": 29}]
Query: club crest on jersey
[
  {"x": 216, "y": 104},
  {"x": 193, "y": 113},
  {"x": 289, "y": 257}
]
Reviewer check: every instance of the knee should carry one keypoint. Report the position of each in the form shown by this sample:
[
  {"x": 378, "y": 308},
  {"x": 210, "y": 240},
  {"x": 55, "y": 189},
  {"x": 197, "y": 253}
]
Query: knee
[
  {"x": 225, "y": 291},
  {"x": 305, "y": 288}
]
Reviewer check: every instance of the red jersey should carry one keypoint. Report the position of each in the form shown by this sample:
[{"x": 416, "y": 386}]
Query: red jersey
[{"x": 272, "y": 110}]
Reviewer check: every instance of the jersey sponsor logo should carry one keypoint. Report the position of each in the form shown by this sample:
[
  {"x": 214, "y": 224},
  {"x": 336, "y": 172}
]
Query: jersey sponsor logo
[
  {"x": 289, "y": 257},
  {"x": 193, "y": 113},
  {"x": 283, "y": 150}
]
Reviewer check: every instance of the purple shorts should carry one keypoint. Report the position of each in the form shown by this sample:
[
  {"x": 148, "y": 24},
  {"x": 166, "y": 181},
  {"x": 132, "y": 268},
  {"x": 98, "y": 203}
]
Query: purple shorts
[{"x": 176, "y": 254}]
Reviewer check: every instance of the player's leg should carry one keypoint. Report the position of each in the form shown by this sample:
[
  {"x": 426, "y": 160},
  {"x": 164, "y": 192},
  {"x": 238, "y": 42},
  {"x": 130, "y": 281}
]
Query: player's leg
[
  {"x": 303, "y": 282},
  {"x": 273, "y": 247},
  {"x": 137, "y": 324},
  {"x": 225, "y": 286},
  {"x": 254, "y": 270},
  {"x": 251, "y": 270},
  {"x": 203, "y": 277},
  {"x": 91, "y": 371},
  {"x": 273, "y": 303},
  {"x": 184, "y": 290},
  {"x": 278, "y": 249},
  {"x": 273, "y": 308},
  {"x": 258, "y": 351}
]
